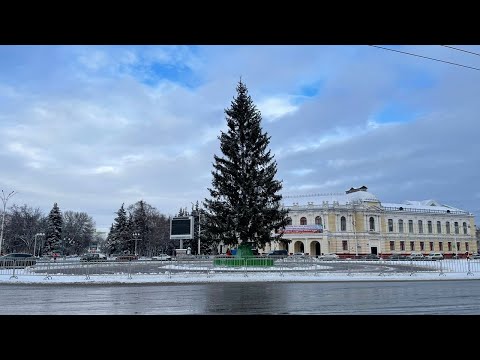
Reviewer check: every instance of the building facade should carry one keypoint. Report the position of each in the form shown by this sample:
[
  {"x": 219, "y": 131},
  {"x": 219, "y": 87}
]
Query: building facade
[{"x": 358, "y": 223}]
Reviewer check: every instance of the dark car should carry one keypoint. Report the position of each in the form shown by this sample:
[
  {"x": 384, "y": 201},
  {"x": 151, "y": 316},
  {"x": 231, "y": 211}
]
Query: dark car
[
  {"x": 371, "y": 257},
  {"x": 278, "y": 254},
  {"x": 17, "y": 260},
  {"x": 397, "y": 257},
  {"x": 93, "y": 257}
]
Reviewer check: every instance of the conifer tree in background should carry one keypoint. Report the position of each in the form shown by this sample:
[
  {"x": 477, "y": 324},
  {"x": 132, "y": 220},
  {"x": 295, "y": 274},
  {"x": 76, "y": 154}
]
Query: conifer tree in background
[
  {"x": 53, "y": 235},
  {"x": 120, "y": 238},
  {"x": 244, "y": 204}
]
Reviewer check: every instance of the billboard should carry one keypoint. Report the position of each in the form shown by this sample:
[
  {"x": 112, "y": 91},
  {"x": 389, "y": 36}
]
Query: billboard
[
  {"x": 181, "y": 227},
  {"x": 303, "y": 229}
]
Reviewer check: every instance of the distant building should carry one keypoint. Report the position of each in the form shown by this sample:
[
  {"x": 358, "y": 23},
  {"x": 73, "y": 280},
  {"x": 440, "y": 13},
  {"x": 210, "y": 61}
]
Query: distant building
[{"x": 358, "y": 223}]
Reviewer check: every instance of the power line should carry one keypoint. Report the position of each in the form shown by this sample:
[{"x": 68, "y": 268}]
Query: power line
[
  {"x": 458, "y": 49},
  {"x": 426, "y": 57}
]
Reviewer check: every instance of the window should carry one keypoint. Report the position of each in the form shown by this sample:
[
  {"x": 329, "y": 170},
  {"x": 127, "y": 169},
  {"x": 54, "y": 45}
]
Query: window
[
  {"x": 303, "y": 221},
  {"x": 458, "y": 246},
  {"x": 466, "y": 246},
  {"x": 343, "y": 224},
  {"x": 318, "y": 220},
  {"x": 447, "y": 227},
  {"x": 455, "y": 224},
  {"x": 422, "y": 246},
  {"x": 344, "y": 245},
  {"x": 449, "y": 246},
  {"x": 431, "y": 245},
  {"x": 429, "y": 227},
  {"x": 410, "y": 226},
  {"x": 439, "y": 227},
  {"x": 440, "y": 246},
  {"x": 289, "y": 221},
  {"x": 402, "y": 245},
  {"x": 390, "y": 225},
  {"x": 400, "y": 226},
  {"x": 392, "y": 245},
  {"x": 420, "y": 227},
  {"x": 412, "y": 245},
  {"x": 372, "y": 223},
  {"x": 465, "y": 228}
]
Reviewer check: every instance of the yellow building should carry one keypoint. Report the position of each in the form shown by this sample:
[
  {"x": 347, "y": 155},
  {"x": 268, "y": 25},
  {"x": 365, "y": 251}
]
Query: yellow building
[{"x": 358, "y": 223}]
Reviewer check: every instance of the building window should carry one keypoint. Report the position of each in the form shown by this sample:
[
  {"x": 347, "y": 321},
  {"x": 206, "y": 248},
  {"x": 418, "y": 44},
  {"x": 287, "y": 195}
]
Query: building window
[
  {"x": 400, "y": 226},
  {"x": 402, "y": 245},
  {"x": 439, "y": 227},
  {"x": 343, "y": 224},
  {"x": 372, "y": 223},
  {"x": 458, "y": 246},
  {"x": 420, "y": 227},
  {"x": 344, "y": 245},
  {"x": 392, "y": 245},
  {"x": 412, "y": 245},
  {"x": 429, "y": 227},
  {"x": 449, "y": 244},
  {"x": 318, "y": 220},
  {"x": 465, "y": 228},
  {"x": 456, "y": 227},
  {"x": 466, "y": 247},
  {"x": 431, "y": 245},
  {"x": 289, "y": 221},
  {"x": 410, "y": 226},
  {"x": 447, "y": 227},
  {"x": 440, "y": 246},
  {"x": 303, "y": 221},
  {"x": 422, "y": 246},
  {"x": 390, "y": 225}
]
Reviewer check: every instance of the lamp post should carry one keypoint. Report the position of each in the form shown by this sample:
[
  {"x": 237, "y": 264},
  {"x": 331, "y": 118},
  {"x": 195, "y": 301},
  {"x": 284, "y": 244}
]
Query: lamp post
[
  {"x": 4, "y": 200},
  {"x": 35, "y": 243},
  {"x": 136, "y": 235}
]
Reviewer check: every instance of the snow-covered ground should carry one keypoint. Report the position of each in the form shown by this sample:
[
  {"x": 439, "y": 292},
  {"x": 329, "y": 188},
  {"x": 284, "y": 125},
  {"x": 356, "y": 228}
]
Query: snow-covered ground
[{"x": 190, "y": 273}]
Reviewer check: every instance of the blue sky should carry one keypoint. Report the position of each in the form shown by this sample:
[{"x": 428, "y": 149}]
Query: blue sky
[{"x": 92, "y": 127}]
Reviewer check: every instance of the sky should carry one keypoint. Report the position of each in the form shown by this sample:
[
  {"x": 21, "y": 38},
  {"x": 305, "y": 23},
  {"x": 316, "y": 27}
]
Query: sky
[{"x": 92, "y": 127}]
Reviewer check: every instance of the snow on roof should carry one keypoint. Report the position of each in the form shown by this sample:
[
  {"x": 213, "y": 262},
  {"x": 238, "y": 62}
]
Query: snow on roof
[{"x": 318, "y": 199}]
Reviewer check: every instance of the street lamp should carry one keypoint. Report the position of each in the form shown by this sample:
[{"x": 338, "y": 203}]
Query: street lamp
[
  {"x": 35, "y": 244},
  {"x": 4, "y": 200},
  {"x": 136, "y": 235}
]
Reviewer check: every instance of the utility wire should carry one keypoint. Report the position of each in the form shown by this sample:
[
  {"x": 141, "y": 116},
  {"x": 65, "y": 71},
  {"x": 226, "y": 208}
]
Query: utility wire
[
  {"x": 426, "y": 57},
  {"x": 454, "y": 48}
]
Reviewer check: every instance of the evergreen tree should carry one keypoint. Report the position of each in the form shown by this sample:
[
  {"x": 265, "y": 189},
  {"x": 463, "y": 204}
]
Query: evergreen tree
[
  {"x": 244, "y": 204},
  {"x": 120, "y": 235},
  {"x": 53, "y": 235}
]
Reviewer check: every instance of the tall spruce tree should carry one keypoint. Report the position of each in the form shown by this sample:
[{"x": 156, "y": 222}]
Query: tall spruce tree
[
  {"x": 53, "y": 235},
  {"x": 245, "y": 204}
]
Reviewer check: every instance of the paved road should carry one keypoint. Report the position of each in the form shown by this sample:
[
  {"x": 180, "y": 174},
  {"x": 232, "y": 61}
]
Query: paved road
[{"x": 409, "y": 297}]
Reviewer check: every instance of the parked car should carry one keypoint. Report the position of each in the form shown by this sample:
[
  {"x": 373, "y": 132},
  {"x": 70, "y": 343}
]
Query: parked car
[
  {"x": 162, "y": 257},
  {"x": 298, "y": 255},
  {"x": 329, "y": 256},
  {"x": 476, "y": 256},
  {"x": 17, "y": 260},
  {"x": 278, "y": 254},
  {"x": 434, "y": 256},
  {"x": 397, "y": 257},
  {"x": 416, "y": 256},
  {"x": 93, "y": 257},
  {"x": 371, "y": 257}
]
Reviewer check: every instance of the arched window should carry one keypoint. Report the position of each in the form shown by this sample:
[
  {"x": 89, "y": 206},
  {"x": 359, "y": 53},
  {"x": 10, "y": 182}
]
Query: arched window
[
  {"x": 447, "y": 227},
  {"x": 371, "y": 223},
  {"x": 390, "y": 225},
  {"x": 439, "y": 227},
  {"x": 400, "y": 226},
  {"x": 289, "y": 221},
  {"x": 420, "y": 226},
  {"x": 410, "y": 226},
  {"x": 343, "y": 224},
  {"x": 465, "y": 228},
  {"x": 303, "y": 221},
  {"x": 318, "y": 220},
  {"x": 456, "y": 227},
  {"x": 429, "y": 227}
]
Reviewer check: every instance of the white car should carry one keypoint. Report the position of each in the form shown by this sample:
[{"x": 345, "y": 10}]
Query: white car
[
  {"x": 162, "y": 257},
  {"x": 330, "y": 256}
]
